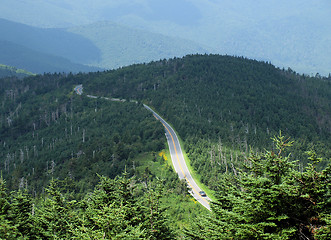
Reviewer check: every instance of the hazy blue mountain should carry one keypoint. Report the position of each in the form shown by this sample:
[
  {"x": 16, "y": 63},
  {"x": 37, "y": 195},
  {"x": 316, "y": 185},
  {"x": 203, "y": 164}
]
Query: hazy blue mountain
[
  {"x": 294, "y": 34},
  {"x": 19, "y": 56},
  {"x": 122, "y": 46},
  {"x": 51, "y": 41},
  {"x": 102, "y": 44}
]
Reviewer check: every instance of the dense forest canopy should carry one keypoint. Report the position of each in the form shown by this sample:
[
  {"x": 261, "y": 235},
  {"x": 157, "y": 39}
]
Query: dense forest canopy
[{"x": 224, "y": 108}]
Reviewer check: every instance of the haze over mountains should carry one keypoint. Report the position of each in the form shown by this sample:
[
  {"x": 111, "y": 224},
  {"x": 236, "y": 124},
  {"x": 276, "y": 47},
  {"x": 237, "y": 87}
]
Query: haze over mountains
[
  {"x": 92, "y": 47},
  {"x": 295, "y": 34}
]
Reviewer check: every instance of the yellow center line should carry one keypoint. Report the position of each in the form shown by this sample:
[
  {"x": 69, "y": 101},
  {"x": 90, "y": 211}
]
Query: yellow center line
[{"x": 179, "y": 161}]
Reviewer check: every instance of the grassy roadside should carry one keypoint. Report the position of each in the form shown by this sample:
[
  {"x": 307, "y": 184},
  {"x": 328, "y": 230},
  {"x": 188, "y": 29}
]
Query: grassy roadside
[
  {"x": 196, "y": 176},
  {"x": 180, "y": 207}
]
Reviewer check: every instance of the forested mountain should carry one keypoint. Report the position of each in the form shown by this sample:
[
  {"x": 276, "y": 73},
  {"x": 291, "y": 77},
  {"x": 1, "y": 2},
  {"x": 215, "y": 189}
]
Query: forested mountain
[
  {"x": 225, "y": 109},
  {"x": 226, "y": 100},
  {"x": 49, "y": 132}
]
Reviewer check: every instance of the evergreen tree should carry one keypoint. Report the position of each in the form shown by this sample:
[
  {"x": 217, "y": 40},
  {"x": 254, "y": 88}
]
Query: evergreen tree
[
  {"x": 112, "y": 212},
  {"x": 8, "y": 230},
  {"x": 271, "y": 200},
  {"x": 157, "y": 222},
  {"x": 21, "y": 213},
  {"x": 55, "y": 214}
]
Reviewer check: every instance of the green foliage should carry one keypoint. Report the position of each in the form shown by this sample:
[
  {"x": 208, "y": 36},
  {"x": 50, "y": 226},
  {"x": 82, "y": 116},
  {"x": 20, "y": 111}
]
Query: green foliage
[
  {"x": 56, "y": 135},
  {"x": 54, "y": 214},
  {"x": 16, "y": 218},
  {"x": 111, "y": 211},
  {"x": 8, "y": 230},
  {"x": 21, "y": 214},
  {"x": 270, "y": 200},
  {"x": 219, "y": 105},
  {"x": 214, "y": 100}
]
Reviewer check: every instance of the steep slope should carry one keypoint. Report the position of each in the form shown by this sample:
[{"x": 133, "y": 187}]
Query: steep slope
[
  {"x": 224, "y": 88},
  {"x": 58, "y": 132},
  {"x": 219, "y": 104}
]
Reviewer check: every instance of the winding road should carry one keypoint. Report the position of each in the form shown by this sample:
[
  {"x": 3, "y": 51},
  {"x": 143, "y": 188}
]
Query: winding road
[
  {"x": 179, "y": 163},
  {"x": 176, "y": 153}
]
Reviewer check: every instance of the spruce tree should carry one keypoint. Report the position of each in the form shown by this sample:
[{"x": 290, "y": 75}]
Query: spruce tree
[
  {"x": 270, "y": 199},
  {"x": 8, "y": 229},
  {"x": 55, "y": 214},
  {"x": 156, "y": 223},
  {"x": 112, "y": 212},
  {"x": 21, "y": 213}
]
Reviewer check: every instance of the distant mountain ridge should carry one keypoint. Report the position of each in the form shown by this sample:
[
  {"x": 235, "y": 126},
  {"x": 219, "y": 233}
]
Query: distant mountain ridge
[
  {"x": 37, "y": 62},
  {"x": 102, "y": 45},
  {"x": 293, "y": 34},
  {"x": 50, "y": 41},
  {"x": 123, "y": 46}
]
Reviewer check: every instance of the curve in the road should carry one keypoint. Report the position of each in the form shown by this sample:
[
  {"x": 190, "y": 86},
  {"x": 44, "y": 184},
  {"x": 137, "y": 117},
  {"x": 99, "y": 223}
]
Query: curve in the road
[
  {"x": 178, "y": 161},
  {"x": 176, "y": 153},
  {"x": 79, "y": 89}
]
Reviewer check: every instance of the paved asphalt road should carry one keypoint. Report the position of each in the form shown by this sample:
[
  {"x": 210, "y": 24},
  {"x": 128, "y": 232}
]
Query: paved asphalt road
[
  {"x": 79, "y": 89},
  {"x": 179, "y": 162},
  {"x": 175, "y": 152}
]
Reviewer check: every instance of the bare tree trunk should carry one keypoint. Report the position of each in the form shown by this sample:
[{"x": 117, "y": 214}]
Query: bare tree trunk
[{"x": 21, "y": 156}]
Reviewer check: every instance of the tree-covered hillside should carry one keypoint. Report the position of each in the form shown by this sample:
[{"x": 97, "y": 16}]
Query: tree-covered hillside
[
  {"x": 46, "y": 129},
  {"x": 224, "y": 108},
  {"x": 49, "y": 132},
  {"x": 217, "y": 100}
]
